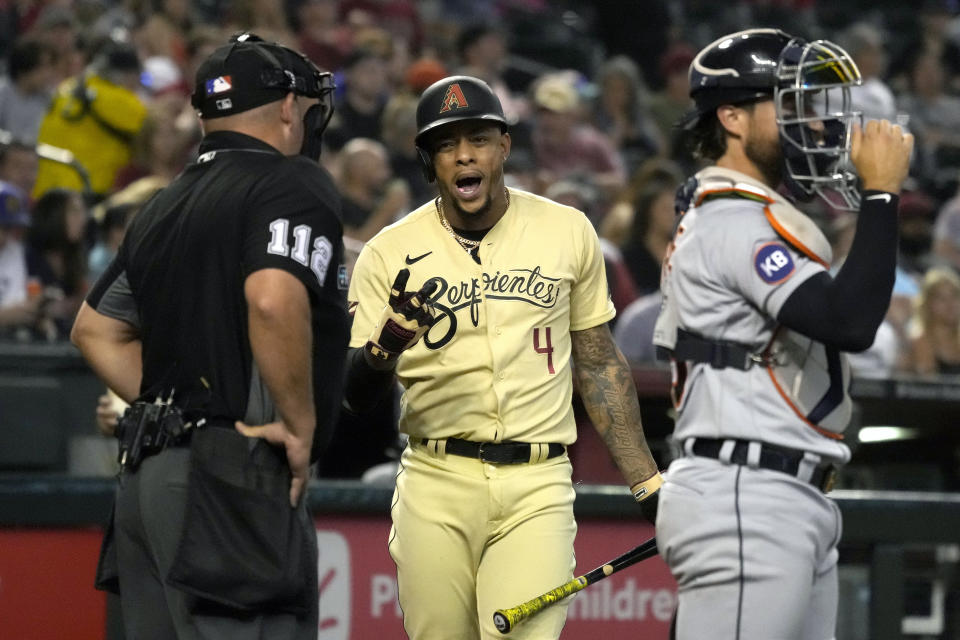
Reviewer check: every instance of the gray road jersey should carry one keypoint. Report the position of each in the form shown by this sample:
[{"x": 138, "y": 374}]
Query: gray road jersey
[{"x": 727, "y": 278}]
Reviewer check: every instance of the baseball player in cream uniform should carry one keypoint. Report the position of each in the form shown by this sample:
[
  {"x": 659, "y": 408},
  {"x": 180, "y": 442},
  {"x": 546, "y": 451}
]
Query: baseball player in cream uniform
[
  {"x": 756, "y": 328},
  {"x": 510, "y": 297}
]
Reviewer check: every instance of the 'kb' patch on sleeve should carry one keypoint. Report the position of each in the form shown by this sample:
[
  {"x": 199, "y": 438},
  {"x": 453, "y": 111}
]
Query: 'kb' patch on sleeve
[{"x": 773, "y": 263}]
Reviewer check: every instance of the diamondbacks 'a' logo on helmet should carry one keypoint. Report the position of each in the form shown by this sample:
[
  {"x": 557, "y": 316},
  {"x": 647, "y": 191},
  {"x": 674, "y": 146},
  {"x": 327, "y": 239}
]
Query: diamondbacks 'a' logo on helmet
[{"x": 453, "y": 98}]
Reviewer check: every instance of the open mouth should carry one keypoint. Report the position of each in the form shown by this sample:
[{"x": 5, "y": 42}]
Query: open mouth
[{"x": 469, "y": 186}]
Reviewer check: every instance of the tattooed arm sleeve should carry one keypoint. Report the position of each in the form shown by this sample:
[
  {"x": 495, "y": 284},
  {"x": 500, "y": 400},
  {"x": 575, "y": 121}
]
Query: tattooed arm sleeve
[{"x": 610, "y": 398}]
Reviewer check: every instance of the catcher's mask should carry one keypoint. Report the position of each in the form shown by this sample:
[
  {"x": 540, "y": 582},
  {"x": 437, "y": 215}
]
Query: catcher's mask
[{"x": 815, "y": 117}]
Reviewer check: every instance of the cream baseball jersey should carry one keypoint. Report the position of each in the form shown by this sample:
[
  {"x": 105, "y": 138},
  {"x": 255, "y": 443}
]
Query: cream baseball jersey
[{"x": 495, "y": 365}]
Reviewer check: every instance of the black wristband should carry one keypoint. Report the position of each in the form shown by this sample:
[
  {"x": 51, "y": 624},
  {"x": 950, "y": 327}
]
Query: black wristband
[
  {"x": 364, "y": 386},
  {"x": 875, "y": 202}
]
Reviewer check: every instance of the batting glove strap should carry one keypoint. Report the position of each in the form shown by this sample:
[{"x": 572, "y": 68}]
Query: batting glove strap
[
  {"x": 394, "y": 333},
  {"x": 646, "y": 489}
]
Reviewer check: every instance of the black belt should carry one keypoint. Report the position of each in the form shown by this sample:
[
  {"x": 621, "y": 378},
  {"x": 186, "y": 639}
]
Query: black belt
[
  {"x": 771, "y": 457},
  {"x": 496, "y": 452}
]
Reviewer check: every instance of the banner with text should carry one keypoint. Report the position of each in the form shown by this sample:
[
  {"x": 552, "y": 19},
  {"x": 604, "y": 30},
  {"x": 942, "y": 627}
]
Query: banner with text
[{"x": 46, "y": 584}]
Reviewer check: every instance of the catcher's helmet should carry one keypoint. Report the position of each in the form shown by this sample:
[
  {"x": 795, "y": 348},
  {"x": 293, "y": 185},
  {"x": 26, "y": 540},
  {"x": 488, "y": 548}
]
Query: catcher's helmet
[
  {"x": 810, "y": 85},
  {"x": 737, "y": 68},
  {"x": 449, "y": 100}
]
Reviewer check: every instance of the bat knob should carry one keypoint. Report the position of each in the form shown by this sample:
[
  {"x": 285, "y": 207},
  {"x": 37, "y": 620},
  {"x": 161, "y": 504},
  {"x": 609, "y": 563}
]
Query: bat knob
[{"x": 501, "y": 622}]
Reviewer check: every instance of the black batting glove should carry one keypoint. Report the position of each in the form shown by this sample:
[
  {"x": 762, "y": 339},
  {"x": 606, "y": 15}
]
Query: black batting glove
[{"x": 406, "y": 317}]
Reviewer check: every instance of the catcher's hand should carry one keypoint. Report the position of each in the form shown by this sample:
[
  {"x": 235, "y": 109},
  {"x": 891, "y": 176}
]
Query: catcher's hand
[{"x": 405, "y": 319}]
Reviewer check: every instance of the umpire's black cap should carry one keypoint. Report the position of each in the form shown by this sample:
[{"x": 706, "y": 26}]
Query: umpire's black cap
[{"x": 249, "y": 72}]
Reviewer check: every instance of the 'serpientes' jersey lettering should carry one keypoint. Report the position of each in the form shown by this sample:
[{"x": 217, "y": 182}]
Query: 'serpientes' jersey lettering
[{"x": 502, "y": 329}]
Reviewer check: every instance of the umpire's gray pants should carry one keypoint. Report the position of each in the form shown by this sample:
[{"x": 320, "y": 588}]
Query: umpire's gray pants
[
  {"x": 149, "y": 516},
  {"x": 754, "y": 552}
]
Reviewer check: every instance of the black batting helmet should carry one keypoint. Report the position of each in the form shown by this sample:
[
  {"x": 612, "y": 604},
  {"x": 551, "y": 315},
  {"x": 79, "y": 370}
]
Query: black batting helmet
[{"x": 449, "y": 100}]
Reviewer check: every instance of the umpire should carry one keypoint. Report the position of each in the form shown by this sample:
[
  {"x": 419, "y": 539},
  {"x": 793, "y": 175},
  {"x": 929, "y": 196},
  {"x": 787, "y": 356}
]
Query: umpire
[{"x": 224, "y": 308}]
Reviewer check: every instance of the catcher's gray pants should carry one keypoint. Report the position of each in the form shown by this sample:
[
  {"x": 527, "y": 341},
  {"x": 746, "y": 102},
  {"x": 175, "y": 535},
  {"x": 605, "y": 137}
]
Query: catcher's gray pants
[{"x": 754, "y": 552}]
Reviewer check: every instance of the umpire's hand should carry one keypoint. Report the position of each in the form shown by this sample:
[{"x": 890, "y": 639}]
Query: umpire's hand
[
  {"x": 406, "y": 317},
  {"x": 298, "y": 453}
]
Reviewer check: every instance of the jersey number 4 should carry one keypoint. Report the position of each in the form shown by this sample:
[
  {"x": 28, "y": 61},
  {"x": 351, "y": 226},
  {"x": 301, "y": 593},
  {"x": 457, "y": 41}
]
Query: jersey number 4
[
  {"x": 547, "y": 348},
  {"x": 318, "y": 260}
]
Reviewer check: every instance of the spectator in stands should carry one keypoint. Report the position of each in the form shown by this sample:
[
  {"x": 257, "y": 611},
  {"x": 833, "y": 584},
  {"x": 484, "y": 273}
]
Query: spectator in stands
[
  {"x": 520, "y": 170},
  {"x": 18, "y": 310},
  {"x": 164, "y": 33},
  {"x": 56, "y": 27},
  {"x": 267, "y": 17},
  {"x": 650, "y": 233},
  {"x": 929, "y": 36},
  {"x": 25, "y": 93},
  {"x": 56, "y": 254},
  {"x": 159, "y": 150},
  {"x": 482, "y": 50},
  {"x": 935, "y": 343},
  {"x": 422, "y": 73},
  {"x": 946, "y": 232},
  {"x": 621, "y": 111},
  {"x": 579, "y": 193},
  {"x": 400, "y": 18},
  {"x": 917, "y": 211},
  {"x": 669, "y": 105},
  {"x": 95, "y": 115},
  {"x": 633, "y": 332},
  {"x": 399, "y": 132},
  {"x": 616, "y": 225},
  {"x": 18, "y": 165},
  {"x": 359, "y": 110},
  {"x": 372, "y": 197},
  {"x": 864, "y": 42},
  {"x": 934, "y": 119},
  {"x": 321, "y": 36},
  {"x": 110, "y": 232},
  {"x": 201, "y": 43},
  {"x": 564, "y": 146}
]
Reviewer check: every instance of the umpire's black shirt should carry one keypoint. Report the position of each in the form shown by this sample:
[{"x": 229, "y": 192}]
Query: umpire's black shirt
[{"x": 179, "y": 276}]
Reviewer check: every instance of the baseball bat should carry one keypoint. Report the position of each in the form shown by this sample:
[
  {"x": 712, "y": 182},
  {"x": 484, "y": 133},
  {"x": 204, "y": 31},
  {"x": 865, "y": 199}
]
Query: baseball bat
[{"x": 506, "y": 619}]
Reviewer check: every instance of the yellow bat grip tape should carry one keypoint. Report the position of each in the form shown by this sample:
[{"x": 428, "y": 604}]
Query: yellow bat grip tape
[{"x": 507, "y": 619}]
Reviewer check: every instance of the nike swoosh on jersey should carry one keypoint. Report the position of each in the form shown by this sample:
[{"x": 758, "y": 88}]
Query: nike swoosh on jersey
[
  {"x": 880, "y": 196},
  {"x": 410, "y": 260}
]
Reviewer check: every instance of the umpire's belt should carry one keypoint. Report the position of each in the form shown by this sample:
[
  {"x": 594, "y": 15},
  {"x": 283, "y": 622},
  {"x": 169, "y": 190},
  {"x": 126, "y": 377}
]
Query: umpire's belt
[
  {"x": 495, "y": 452},
  {"x": 774, "y": 458}
]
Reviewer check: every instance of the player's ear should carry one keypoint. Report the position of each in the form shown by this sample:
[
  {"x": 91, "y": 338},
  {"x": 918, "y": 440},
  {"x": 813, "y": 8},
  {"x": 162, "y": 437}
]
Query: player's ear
[
  {"x": 505, "y": 143},
  {"x": 733, "y": 119}
]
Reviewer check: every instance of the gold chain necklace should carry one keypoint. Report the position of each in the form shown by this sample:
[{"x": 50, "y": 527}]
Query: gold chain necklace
[{"x": 466, "y": 244}]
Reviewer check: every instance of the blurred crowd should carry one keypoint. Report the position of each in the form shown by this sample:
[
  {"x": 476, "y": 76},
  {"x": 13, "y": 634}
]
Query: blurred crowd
[{"x": 95, "y": 117}]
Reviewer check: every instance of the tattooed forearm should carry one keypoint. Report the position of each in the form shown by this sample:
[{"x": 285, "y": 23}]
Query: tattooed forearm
[{"x": 610, "y": 398}]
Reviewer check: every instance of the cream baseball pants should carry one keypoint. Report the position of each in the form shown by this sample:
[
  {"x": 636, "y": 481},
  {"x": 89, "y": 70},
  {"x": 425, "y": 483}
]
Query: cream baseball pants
[{"x": 470, "y": 537}]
